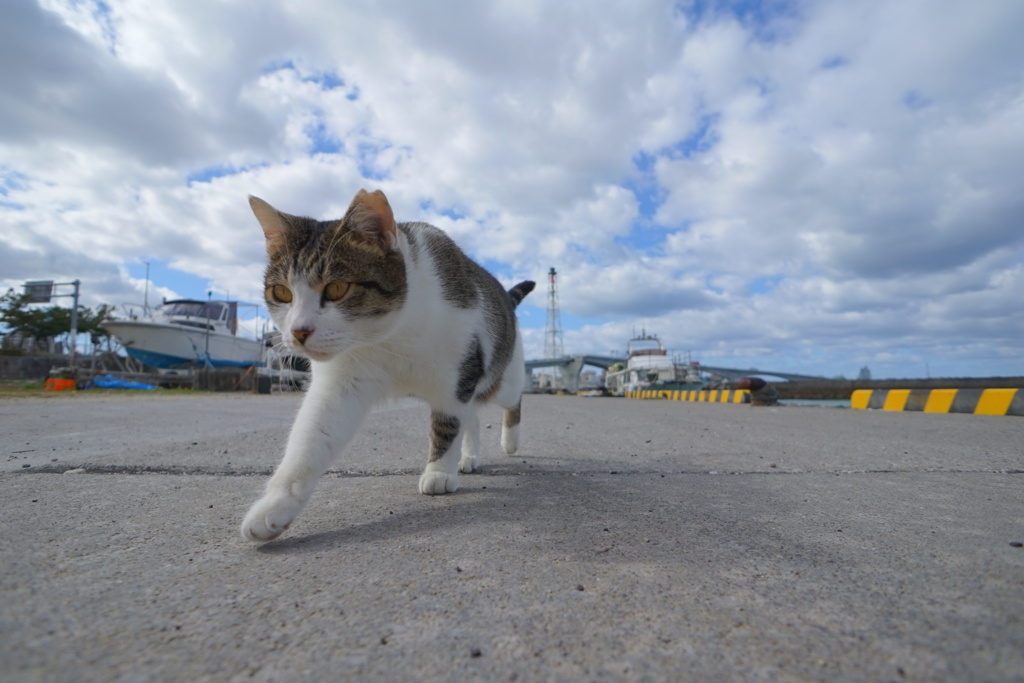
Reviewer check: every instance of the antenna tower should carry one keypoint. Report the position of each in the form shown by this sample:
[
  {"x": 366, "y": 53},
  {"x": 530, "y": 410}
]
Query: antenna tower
[{"x": 553, "y": 327}]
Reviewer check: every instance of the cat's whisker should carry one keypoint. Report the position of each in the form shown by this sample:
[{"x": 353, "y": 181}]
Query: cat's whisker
[
  {"x": 335, "y": 241},
  {"x": 281, "y": 349},
  {"x": 368, "y": 362},
  {"x": 384, "y": 348}
]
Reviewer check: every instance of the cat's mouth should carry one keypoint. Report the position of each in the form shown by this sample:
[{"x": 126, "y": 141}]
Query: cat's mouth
[{"x": 315, "y": 355}]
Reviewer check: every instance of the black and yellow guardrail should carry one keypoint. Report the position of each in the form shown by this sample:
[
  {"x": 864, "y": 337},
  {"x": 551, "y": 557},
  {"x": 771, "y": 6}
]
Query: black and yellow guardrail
[
  {"x": 701, "y": 396},
  {"x": 972, "y": 401}
]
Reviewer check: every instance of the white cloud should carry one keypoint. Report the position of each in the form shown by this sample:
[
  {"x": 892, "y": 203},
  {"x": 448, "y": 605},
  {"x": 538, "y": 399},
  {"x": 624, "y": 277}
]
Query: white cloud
[{"x": 827, "y": 186}]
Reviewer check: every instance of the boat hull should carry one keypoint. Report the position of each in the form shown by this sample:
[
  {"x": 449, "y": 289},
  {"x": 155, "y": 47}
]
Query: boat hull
[{"x": 171, "y": 346}]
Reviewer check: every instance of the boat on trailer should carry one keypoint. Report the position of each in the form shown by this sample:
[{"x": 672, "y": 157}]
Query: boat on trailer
[{"x": 186, "y": 333}]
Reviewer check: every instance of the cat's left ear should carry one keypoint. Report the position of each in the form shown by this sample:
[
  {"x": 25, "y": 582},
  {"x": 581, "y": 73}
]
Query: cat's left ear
[
  {"x": 272, "y": 222},
  {"x": 371, "y": 221}
]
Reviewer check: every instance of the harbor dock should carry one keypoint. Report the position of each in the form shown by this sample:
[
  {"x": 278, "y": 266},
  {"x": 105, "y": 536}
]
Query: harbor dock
[{"x": 628, "y": 540}]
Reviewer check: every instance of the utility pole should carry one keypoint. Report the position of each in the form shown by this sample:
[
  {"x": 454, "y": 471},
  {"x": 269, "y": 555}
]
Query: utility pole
[
  {"x": 209, "y": 305},
  {"x": 145, "y": 295},
  {"x": 74, "y": 325}
]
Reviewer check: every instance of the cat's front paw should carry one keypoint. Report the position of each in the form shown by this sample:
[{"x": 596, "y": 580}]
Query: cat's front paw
[
  {"x": 467, "y": 464},
  {"x": 269, "y": 517},
  {"x": 437, "y": 483}
]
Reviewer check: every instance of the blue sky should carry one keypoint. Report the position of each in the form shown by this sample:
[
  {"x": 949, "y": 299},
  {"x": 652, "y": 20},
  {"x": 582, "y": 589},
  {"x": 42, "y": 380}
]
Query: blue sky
[{"x": 803, "y": 186}]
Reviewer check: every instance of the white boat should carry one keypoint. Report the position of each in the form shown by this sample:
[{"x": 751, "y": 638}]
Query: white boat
[
  {"x": 186, "y": 333},
  {"x": 648, "y": 366}
]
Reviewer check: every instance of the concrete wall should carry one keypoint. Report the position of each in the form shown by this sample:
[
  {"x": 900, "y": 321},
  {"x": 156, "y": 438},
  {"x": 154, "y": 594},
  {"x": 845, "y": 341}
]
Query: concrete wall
[
  {"x": 225, "y": 379},
  {"x": 28, "y": 367}
]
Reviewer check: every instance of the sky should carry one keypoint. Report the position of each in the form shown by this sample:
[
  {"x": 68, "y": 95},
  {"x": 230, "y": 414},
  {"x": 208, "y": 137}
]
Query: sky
[{"x": 807, "y": 187}]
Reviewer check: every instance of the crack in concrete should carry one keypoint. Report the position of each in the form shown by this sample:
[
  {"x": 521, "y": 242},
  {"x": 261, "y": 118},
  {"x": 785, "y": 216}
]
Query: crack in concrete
[{"x": 494, "y": 472}]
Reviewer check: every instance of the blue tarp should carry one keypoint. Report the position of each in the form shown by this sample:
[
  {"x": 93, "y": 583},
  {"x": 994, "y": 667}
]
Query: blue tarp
[{"x": 111, "y": 382}]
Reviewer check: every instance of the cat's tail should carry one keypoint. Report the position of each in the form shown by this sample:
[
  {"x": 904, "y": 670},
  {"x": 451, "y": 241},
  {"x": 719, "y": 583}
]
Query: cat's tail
[{"x": 519, "y": 292}]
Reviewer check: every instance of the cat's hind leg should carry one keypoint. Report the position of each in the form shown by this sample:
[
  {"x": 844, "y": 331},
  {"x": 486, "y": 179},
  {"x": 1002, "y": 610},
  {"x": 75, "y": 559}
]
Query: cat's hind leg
[
  {"x": 442, "y": 472},
  {"x": 470, "y": 443},
  {"x": 510, "y": 428},
  {"x": 510, "y": 397}
]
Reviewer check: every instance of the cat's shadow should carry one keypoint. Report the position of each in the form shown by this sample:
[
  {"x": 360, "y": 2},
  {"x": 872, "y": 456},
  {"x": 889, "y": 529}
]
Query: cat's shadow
[
  {"x": 591, "y": 516},
  {"x": 538, "y": 499}
]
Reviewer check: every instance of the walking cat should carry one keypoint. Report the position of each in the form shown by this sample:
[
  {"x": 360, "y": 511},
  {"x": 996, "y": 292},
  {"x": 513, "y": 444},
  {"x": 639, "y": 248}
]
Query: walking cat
[{"x": 384, "y": 310}]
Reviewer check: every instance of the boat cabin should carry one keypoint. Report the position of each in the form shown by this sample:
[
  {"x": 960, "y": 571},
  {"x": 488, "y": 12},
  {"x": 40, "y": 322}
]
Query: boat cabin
[{"x": 199, "y": 314}]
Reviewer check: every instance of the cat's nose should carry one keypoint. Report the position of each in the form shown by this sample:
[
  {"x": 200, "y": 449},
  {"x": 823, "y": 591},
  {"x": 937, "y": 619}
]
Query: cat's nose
[{"x": 301, "y": 334}]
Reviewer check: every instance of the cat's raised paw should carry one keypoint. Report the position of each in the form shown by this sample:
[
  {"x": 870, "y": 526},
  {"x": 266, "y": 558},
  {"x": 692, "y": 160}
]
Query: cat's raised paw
[
  {"x": 437, "y": 483},
  {"x": 269, "y": 517},
  {"x": 467, "y": 465},
  {"x": 510, "y": 440}
]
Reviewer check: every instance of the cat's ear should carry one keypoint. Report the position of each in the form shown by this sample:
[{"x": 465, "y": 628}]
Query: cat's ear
[
  {"x": 273, "y": 223},
  {"x": 371, "y": 221}
]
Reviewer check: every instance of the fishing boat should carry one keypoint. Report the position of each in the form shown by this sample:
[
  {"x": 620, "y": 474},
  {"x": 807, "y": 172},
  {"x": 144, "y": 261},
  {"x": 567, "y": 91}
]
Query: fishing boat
[
  {"x": 648, "y": 366},
  {"x": 186, "y": 333}
]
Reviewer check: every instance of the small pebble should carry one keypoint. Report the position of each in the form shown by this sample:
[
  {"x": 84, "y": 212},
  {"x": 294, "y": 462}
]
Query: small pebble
[
  {"x": 1016, "y": 544},
  {"x": 579, "y": 587},
  {"x": 475, "y": 652}
]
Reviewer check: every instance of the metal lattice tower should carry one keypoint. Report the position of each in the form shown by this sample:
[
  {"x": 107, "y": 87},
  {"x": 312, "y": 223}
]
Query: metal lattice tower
[{"x": 553, "y": 327}]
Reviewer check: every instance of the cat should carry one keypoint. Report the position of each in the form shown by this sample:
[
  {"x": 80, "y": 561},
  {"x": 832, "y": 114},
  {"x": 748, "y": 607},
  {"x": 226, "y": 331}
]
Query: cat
[{"x": 384, "y": 310}]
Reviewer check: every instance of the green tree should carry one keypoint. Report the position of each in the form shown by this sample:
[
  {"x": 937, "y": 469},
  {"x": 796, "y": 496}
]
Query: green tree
[
  {"x": 90, "y": 321},
  {"x": 19, "y": 318},
  {"x": 43, "y": 324}
]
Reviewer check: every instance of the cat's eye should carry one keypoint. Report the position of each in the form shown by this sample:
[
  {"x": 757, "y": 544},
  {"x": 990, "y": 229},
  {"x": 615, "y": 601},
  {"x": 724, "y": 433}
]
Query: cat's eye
[
  {"x": 335, "y": 291},
  {"x": 280, "y": 294}
]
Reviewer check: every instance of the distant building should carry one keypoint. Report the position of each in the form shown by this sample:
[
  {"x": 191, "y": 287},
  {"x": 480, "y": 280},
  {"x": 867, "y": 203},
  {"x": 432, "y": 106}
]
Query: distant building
[
  {"x": 591, "y": 379},
  {"x": 865, "y": 373}
]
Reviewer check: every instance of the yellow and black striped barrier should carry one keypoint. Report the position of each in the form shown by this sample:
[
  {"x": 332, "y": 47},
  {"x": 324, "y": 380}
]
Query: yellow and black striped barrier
[
  {"x": 701, "y": 396},
  {"x": 972, "y": 401}
]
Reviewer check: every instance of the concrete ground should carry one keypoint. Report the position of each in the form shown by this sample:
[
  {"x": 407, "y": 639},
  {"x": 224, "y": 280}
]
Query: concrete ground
[{"x": 627, "y": 540}]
